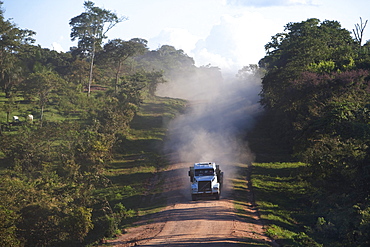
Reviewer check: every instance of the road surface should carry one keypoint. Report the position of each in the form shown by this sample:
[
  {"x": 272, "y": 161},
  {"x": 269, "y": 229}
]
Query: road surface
[{"x": 205, "y": 222}]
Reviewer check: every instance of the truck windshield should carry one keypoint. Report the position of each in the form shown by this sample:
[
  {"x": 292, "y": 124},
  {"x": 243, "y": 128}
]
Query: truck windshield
[{"x": 204, "y": 172}]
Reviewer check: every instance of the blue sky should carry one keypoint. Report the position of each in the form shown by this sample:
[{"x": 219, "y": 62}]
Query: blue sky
[{"x": 225, "y": 33}]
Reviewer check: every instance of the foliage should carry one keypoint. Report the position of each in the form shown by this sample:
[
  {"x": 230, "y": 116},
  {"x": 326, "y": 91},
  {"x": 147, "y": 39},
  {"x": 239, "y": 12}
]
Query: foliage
[
  {"x": 117, "y": 51},
  {"x": 54, "y": 167},
  {"x": 167, "y": 59},
  {"x": 44, "y": 206},
  {"x": 79, "y": 223},
  {"x": 316, "y": 93},
  {"x": 90, "y": 29},
  {"x": 52, "y": 173},
  {"x": 42, "y": 85},
  {"x": 12, "y": 39},
  {"x": 8, "y": 236},
  {"x": 93, "y": 149},
  {"x": 295, "y": 51}
]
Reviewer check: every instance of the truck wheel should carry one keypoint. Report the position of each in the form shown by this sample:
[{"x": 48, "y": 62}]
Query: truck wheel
[{"x": 193, "y": 197}]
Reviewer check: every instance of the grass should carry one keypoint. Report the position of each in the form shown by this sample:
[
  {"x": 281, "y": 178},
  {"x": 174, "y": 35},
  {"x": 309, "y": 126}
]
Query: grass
[
  {"x": 22, "y": 108},
  {"x": 282, "y": 196},
  {"x": 241, "y": 189},
  {"x": 243, "y": 198},
  {"x": 282, "y": 201},
  {"x": 134, "y": 173}
]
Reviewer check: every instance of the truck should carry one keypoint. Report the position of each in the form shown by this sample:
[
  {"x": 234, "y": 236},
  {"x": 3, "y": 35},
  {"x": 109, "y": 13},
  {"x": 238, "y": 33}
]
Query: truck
[{"x": 206, "y": 180}]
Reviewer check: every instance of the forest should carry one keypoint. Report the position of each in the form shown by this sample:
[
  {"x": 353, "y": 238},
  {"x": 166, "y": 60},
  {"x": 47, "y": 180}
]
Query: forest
[
  {"x": 64, "y": 117},
  {"x": 317, "y": 105},
  {"x": 82, "y": 103}
]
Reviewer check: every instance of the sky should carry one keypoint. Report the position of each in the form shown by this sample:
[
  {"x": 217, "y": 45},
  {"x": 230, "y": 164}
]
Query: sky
[{"x": 228, "y": 34}]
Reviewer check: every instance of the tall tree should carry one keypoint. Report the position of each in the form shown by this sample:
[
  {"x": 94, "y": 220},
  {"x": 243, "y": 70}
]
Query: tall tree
[
  {"x": 308, "y": 45},
  {"x": 359, "y": 32},
  {"x": 11, "y": 40},
  {"x": 168, "y": 59},
  {"x": 117, "y": 51},
  {"x": 90, "y": 28},
  {"x": 154, "y": 78},
  {"x": 305, "y": 46}
]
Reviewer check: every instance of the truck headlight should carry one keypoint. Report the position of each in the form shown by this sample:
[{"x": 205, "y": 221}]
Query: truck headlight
[{"x": 194, "y": 187}]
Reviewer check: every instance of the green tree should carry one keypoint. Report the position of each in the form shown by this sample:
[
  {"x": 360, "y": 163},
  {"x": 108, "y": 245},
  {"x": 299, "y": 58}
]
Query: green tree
[
  {"x": 41, "y": 85},
  {"x": 251, "y": 73},
  {"x": 332, "y": 124},
  {"x": 12, "y": 39},
  {"x": 93, "y": 149},
  {"x": 90, "y": 29},
  {"x": 78, "y": 72},
  {"x": 45, "y": 189},
  {"x": 11, "y": 73},
  {"x": 132, "y": 88},
  {"x": 305, "y": 46},
  {"x": 316, "y": 91},
  {"x": 117, "y": 51},
  {"x": 28, "y": 150},
  {"x": 79, "y": 223},
  {"x": 154, "y": 78},
  {"x": 9, "y": 107},
  {"x": 168, "y": 59},
  {"x": 36, "y": 59},
  {"x": 8, "y": 219},
  {"x": 297, "y": 50}
]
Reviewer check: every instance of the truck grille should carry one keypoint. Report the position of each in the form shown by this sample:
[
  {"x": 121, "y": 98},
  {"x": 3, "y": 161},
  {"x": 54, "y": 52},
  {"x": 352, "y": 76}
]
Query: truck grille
[{"x": 204, "y": 186}]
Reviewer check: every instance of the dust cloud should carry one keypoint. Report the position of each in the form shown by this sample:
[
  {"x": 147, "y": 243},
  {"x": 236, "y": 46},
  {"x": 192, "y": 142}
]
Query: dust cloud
[
  {"x": 213, "y": 128},
  {"x": 220, "y": 111}
]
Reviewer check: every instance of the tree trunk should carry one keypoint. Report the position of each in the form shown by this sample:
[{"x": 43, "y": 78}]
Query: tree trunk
[
  {"x": 91, "y": 70},
  {"x": 117, "y": 77},
  {"x": 7, "y": 93},
  {"x": 359, "y": 32},
  {"x": 42, "y": 115}
]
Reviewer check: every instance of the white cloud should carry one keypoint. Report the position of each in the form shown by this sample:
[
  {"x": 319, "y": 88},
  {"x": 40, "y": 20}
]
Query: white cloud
[
  {"x": 235, "y": 42},
  {"x": 269, "y": 3},
  {"x": 178, "y": 37},
  {"x": 236, "y": 38},
  {"x": 303, "y": 2},
  {"x": 205, "y": 57}
]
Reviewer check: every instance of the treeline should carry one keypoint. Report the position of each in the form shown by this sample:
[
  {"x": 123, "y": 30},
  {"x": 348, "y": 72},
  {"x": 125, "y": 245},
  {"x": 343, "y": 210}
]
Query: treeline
[
  {"x": 82, "y": 102},
  {"x": 316, "y": 93}
]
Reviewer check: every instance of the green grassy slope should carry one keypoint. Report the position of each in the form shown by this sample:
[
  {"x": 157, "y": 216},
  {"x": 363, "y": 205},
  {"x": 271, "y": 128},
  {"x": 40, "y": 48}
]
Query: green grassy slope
[
  {"x": 281, "y": 195},
  {"x": 135, "y": 171}
]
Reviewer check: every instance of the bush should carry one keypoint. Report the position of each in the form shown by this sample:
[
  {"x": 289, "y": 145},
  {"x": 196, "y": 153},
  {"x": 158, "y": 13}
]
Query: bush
[{"x": 8, "y": 229}]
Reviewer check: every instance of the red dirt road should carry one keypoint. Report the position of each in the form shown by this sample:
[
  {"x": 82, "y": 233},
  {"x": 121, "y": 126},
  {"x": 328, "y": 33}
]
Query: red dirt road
[{"x": 205, "y": 222}]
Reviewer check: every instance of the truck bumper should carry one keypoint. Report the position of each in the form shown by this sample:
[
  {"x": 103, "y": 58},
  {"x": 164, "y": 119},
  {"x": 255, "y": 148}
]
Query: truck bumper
[{"x": 195, "y": 196}]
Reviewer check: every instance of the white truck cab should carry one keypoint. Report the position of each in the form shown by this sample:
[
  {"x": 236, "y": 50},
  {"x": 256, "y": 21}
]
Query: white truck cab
[{"x": 206, "y": 180}]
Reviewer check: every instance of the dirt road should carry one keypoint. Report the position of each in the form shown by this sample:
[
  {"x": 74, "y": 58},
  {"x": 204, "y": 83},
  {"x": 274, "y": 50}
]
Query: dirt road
[{"x": 205, "y": 222}]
